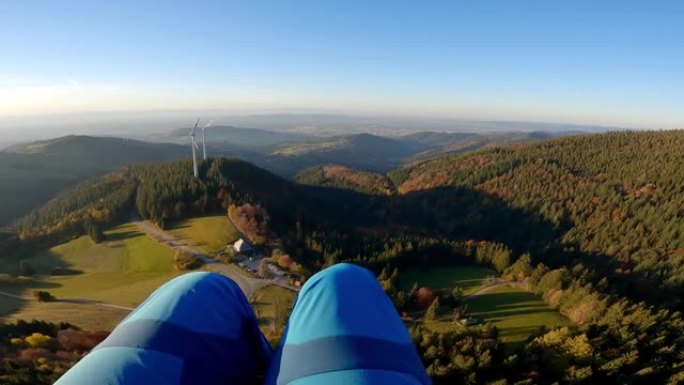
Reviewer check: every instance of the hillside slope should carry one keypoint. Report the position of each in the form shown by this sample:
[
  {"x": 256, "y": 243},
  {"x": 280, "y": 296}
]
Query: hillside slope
[
  {"x": 33, "y": 173},
  {"x": 336, "y": 176},
  {"x": 590, "y": 224},
  {"x": 612, "y": 199},
  {"x": 168, "y": 191}
]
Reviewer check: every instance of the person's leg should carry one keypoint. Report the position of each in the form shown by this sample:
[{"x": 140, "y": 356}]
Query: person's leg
[
  {"x": 345, "y": 330},
  {"x": 196, "y": 329}
]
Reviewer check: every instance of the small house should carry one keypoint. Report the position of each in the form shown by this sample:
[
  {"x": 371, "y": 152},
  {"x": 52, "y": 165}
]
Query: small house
[{"x": 242, "y": 247}]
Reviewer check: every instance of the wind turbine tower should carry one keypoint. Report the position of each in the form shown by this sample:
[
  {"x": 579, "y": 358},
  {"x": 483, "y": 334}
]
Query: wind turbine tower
[
  {"x": 204, "y": 145},
  {"x": 195, "y": 149}
]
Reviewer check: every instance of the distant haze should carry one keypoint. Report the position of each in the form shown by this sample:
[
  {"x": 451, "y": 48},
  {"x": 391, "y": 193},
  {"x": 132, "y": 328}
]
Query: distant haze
[{"x": 143, "y": 125}]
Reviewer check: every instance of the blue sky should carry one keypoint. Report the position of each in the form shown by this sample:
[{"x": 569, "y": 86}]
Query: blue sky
[{"x": 603, "y": 62}]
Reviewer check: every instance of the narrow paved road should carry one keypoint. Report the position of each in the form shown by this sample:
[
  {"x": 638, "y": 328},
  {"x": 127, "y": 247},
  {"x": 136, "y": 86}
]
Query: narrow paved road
[
  {"x": 69, "y": 300},
  {"x": 248, "y": 284}
]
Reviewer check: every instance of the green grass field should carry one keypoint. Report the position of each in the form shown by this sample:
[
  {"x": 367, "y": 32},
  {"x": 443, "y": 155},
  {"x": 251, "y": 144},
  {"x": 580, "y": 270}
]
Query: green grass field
[
  {"x": 516, "y": 313},
  {"x": 122, "y": 270},
  {"x": 89, "y": 317},
  {"x": 209, "y": 234},
  {"x": 272, "y": 304},
  {"x": 469, "y": 278}
]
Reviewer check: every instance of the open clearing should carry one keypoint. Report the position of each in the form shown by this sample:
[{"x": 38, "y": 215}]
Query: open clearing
[
  {"x": 516, "y": 313},
  {"x": 89, "y": 317},
  {"x": 468, "y": 278},
  {"x": 122, "y": 270},
  {"x": 272, "y": 305},
  {"x": 208, "y": 234}
]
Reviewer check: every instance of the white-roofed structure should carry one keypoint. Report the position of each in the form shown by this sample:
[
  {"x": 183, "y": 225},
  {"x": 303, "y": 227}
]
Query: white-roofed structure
[{"x": 242, "y": 246}]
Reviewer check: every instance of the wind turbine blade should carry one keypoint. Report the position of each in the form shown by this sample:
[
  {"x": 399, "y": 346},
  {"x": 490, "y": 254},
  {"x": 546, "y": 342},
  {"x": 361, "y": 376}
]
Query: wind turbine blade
[
  {"x": 208, "y": 124},
  {"x": 194, "y": 128}
]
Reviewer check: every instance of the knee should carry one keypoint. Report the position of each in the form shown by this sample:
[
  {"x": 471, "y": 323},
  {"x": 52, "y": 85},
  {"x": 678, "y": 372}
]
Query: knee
[{"x": 341, "y": 272}]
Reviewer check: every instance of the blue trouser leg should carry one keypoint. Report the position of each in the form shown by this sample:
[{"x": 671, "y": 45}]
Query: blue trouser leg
[
  {"x": 196, "y": 329},
  {"x": 345, "y": 330}
]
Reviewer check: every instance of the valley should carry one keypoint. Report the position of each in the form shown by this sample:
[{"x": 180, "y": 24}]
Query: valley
[
  {"x": 35, "y": 172},
  {"x": 342, "y": 192},
  {"x": 503, "y": 250}
]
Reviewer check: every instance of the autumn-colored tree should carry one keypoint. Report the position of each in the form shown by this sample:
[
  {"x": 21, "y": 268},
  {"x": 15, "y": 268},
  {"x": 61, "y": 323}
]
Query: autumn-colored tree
[{"x": 424, "y": 297}]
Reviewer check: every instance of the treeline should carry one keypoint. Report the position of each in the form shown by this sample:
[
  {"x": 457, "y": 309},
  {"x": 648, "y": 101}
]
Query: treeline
[
  {"x": 101, "y": 200},
  {"x": 169, "y": 191},
  {"x": 160, "y": 193},
  {"x": 611, "y": 201},
  {"x": 613, "y": 341}
]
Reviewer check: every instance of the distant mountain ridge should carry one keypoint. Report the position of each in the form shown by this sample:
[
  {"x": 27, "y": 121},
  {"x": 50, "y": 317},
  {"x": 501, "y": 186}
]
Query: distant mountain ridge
[
  {"x": 611, "y": 200},
  {"x": 34, "y": 172}
]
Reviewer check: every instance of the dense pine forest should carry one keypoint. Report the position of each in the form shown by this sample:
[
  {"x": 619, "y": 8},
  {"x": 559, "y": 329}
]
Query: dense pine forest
[{"x": 592, "y": 223}]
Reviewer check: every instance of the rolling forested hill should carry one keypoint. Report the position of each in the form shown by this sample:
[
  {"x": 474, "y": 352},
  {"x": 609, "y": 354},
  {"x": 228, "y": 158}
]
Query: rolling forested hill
[
  {"x": 612, "y": 202},
  {"x": 614, "y": 197},
  {"x": 380, "y": 154},
  {"x": 167, "y": 191},
  {"x": 33, "y": 173},
  {"x": 592, "y": 224},
  {"x": 336, "y": 176}
]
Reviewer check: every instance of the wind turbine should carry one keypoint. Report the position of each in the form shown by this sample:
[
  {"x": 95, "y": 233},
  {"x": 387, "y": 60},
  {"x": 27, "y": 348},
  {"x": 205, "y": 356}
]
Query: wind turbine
[
  {"x": 204, "y": 145},
  {"x": 193, "y": 145}
]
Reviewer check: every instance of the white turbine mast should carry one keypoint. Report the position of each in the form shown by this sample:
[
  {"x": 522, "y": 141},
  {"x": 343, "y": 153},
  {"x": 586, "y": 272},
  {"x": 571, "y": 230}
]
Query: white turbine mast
[
  {"x": 195, "y": 149},
  {"x": 204, "y": 145}
]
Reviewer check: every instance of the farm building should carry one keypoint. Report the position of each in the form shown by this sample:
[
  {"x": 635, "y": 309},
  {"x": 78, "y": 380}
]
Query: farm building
[{"x": 242, "y": 247}]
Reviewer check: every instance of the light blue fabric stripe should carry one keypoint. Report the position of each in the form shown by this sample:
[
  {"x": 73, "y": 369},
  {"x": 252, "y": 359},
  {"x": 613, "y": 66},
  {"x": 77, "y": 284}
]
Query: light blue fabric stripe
[
  {"x": 209, "y": 358},
  {"x": 125, "y": 366},
  {"x": 358, "y": 377},
  {"x": 349, "y": 353},
  {"x": 196, "y": 328}
]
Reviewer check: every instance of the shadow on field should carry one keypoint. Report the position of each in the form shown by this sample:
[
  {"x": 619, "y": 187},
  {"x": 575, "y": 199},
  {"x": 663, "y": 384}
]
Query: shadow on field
[
  {"x": 21, "y": 275},
  {"x": 121, "y": 236},
  {"x": 177, "y": 226},
  {"x": 493, "y": 305}
]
